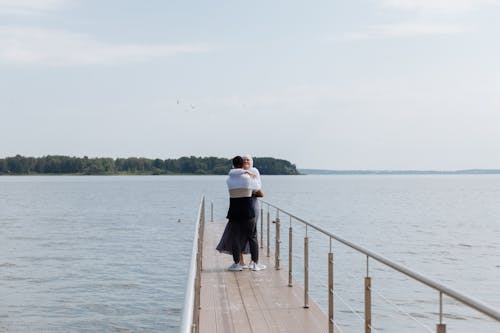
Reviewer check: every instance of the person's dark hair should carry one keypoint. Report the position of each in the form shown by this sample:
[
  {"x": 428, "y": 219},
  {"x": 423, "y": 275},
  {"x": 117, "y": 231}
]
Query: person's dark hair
[{"x": 238, "y": 162}]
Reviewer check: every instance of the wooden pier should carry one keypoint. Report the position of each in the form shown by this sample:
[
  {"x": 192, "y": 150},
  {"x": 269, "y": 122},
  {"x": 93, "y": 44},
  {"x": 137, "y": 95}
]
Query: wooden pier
[
  {"x": 270, "y": 300},
  {"x": 251, "y": 301}
]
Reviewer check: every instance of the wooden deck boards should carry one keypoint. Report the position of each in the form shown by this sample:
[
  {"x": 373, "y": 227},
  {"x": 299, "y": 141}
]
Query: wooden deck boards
[{"x": 250, "y": 301}]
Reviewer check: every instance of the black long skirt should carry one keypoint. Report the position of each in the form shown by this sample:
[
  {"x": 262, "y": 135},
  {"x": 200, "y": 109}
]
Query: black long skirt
[{"x": 225, "y": 243}]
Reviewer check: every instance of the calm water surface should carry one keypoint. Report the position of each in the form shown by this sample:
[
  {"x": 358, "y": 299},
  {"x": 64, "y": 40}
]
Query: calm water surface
[{"x": 110, "y": 254}]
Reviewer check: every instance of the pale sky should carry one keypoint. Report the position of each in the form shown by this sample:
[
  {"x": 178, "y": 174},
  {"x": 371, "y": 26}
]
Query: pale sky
[{"x": 351, "y": 84}]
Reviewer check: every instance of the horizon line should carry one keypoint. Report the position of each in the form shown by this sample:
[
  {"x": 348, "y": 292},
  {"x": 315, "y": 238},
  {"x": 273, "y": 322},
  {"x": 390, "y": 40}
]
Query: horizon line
[{"x": 395, "y": 171}]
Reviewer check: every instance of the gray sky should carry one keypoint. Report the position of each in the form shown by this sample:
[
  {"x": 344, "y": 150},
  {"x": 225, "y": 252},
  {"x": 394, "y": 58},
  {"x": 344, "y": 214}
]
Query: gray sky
[{"x": 374, "y": 84}]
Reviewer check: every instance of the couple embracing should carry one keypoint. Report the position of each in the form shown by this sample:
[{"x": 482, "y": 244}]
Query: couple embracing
[{"x": 240, "y": 235}]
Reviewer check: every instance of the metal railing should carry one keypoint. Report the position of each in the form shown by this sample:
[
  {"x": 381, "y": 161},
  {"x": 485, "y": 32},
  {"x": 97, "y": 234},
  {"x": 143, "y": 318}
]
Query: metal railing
[
  {"x": 191, "y": 310},
  {"x": 442, "y": 289}
]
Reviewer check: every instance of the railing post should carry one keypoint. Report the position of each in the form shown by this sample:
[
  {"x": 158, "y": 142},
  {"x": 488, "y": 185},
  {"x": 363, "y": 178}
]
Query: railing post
[
  {"x": 268, "y": 232},
  {"x": 290, "y": 254},
  {"x": 211, "y": 211},
  {"x": 201, "y": 232},
  {"x": 368, "y": 300},
  {"x": 199, "y": 254},
  {"x": 306, "y": 271},
  {"x": 277, "y": 245},
  {"x": 197, "y": 286},
  {"x": 441, "y": 327},
  {"x": 330, "y": 290},
  {"x": 261, "y": 227},
  {"x": 202, "y": 222}
]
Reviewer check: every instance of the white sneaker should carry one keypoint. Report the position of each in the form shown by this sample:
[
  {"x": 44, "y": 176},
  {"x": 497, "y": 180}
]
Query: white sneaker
[
  {"x": 258, "y": 267},
  {"x": 245, "y": 266},
  {"x": 235, "y": 268}
]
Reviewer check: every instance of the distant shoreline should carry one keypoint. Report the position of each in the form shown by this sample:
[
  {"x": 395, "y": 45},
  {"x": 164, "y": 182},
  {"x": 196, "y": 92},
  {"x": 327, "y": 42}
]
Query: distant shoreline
[
  {"x": 400, "y": 172},
  {"x": 302, "y": 172},
  {"x": 103, "y": 174},
  {"x": 186, "y": 165}
]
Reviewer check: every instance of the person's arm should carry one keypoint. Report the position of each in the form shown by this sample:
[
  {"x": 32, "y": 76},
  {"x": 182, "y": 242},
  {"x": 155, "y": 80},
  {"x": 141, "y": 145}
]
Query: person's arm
[
  {"x": 255, "y": 171},
  {"x": 259, "y": 193},
  {"x": 239, "y": 172},
  {"x": 236, "y": 172}
]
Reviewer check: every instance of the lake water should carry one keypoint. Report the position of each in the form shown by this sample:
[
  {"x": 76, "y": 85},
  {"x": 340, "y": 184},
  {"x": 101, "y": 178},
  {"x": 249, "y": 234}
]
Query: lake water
[{"x": 110, "y": 254}]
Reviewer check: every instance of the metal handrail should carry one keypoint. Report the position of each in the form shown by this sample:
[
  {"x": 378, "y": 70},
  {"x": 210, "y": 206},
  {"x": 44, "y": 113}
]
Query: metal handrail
[
  {"x": 188, "y": 312},
  {"x": 455, "y": 294}
]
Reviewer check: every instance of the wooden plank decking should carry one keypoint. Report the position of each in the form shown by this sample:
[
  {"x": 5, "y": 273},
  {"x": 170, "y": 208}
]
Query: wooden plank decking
[{"x": 250, "y": 301}]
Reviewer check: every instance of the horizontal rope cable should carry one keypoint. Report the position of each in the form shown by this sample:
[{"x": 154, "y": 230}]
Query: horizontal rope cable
[{"x": 402, "y": 311}]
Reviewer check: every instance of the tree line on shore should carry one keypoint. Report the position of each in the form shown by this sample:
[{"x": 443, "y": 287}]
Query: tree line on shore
[{"x": 57, "y": 164}]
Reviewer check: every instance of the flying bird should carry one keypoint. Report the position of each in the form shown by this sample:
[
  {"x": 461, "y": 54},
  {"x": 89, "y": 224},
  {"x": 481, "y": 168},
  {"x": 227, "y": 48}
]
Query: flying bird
[{"x": 186, "y": 108}]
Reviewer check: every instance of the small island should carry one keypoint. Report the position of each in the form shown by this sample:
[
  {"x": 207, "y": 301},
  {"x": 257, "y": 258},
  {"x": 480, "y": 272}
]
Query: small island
[{"x": 70, "y": 165}]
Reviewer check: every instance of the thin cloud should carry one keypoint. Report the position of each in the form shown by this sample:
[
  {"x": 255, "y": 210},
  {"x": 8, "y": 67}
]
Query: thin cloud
[
  {"x": 37, "y": 46},
  {"x": 406, "y": 29},
  {"x": 33, "y": 7},
  {"x": 437, "y": 5},
  {"x": 430, "y": 18}
]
